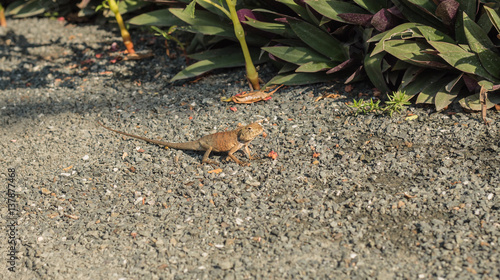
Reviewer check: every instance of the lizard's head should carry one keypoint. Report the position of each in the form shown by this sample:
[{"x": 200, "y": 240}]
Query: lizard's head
[{"x": 249, "y": 132}]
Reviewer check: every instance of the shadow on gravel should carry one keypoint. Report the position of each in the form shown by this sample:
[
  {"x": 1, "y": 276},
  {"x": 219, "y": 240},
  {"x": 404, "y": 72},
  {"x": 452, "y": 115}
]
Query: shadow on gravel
[{"x": 59, "y": 63}]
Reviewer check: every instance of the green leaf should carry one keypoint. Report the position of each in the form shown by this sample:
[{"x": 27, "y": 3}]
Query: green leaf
[
  {"x": 444, "y": 97},
  {"x": 299, "y": 10},
  {"x": 378, "y": 37},
  {"x": 130, "y": 6},
  {"x": 299, "y": 79},
  {"x": 287, "y": 67},
  {"x": 419, "y": 12},
  {"x": 419, "y": 82},
  {"x": 314, "y": 66},
  {"x": 469, "y": 7},
  {"x": 484, "y": 22},
  {"x": 404, "y": 30},
  {"x": 190, "y": 8},
  {"x": 494, "y": 18},
  {"x": 216, "y": 59},
  {"x": 157, "y": 18},
  {"x": 428, "y": 94},
  {"x": 15, "y": 7},
  {"x": 482, "y": 46},
  {"x": 432, "y": 34},
  {"x": 297, "y": 55},
  {"x": 273, "y": 27},
  {"x": 331, "y": 9},
  {"x": 461, "y": 59},
  {"x": 472, "y": 102},
  {"x": 22, "y": 9},
  {"x": 205, "y": 23},
  {"x": 373, "y": 68},
  {"x": 413, "y": 53},
  {"x": 209, "y": 24},
  {"x": 486, "y": 84},
  {"x": 319, "y": 40},
  {"x": 427, "y": 5},
  {"x": 373, "y": 6},
  {"x": 221, "y": 9}
]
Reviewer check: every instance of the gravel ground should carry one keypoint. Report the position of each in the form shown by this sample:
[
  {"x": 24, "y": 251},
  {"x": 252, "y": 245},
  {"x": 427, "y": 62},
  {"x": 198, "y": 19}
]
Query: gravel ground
[{"x": 348, "y": 196}]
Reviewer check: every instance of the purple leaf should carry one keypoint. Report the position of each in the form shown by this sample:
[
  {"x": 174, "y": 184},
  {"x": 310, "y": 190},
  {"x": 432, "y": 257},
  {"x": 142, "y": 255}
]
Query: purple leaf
[
  {"x": 243, "y": 14},
  {"x": 361, "y": 19},
  {"x": 447, "y": 10},
  {"x": 383, "y": 20},
  {"x": 354, "y": 75},
  {"x": 283, "y": 20},
  {"x": 470, "y": 83},
  {"x": 341, "y": 66},
  {"x": 396, "y": 12}
]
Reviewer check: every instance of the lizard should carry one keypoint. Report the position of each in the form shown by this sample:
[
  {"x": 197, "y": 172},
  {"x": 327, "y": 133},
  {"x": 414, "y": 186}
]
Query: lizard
[{"x": 227, "y": 141}]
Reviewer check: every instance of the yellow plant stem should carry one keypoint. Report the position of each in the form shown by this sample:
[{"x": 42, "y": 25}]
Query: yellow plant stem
[
  {"x": 3, "y": 22},
  {"x": 252, "y": 75},
  {"x": 127, "y": 40}
]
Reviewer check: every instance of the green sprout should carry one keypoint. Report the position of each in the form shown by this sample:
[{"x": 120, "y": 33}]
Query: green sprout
[
  {"x": 365, "y": 107},
  {"x": 397, "y": 101}
]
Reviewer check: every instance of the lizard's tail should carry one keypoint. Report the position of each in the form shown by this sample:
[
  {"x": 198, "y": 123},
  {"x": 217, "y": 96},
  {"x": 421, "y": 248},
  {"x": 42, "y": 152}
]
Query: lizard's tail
[{"x": 167, "y": 144}]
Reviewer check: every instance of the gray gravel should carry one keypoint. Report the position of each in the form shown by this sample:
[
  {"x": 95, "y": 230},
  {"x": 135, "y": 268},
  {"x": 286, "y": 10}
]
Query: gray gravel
[{"x": 348, "y": 196}]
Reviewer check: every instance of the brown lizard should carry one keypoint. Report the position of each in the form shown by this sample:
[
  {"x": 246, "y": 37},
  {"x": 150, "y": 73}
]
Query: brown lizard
[{"x": 227, "y": 141}]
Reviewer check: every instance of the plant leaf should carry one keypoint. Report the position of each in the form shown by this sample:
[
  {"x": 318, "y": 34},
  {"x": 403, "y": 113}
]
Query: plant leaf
[
  {"x": 157, "y": 18},
  {"x": 314, "y": 66},
  {"x": 469, "y": 7},
  {"x": 472, "y": 102},
  {"x": 210, "y": 24},
  {"x": 432, "y": 34},
  {"x": 372, "y": 6},
  {"x": 420, "y": 81},
  {"x": 22, "y": 9},
  {"x": 428, "y": 93},
  {"x": 130, "y": 6},
  {"x": 300, "y": 79},
  {"x": 373, "y": 68},
  {"x": 420, "y": 11},
  {"x": 447, "y": 11},
  {"x": 287, "y": 68},
  {"x": 319, "y": 40},
  {"x": 461, "y": 59},
  {"x": 444, "y": 97},
  {"x": 494, "y": 18},
  {"x": 273, "y": 27},
  {"x": 403, "y": 30},
  {"x": 205, "y": 23},
  {"x": 332, "y": 9},
  {"x": 297, "y": 55},
  {"x": 216, "y": 59},
  {"x": 482, "y": 46},
  {"x": 299, "y": 10},
  {"x": 413, "y": 53}
]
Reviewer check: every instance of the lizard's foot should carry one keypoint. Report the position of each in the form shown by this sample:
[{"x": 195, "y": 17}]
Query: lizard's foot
[
  {"x": 211, "y": 162},
  {"x": 254, "y": 156},
  {"x": 242, "y": 163}
]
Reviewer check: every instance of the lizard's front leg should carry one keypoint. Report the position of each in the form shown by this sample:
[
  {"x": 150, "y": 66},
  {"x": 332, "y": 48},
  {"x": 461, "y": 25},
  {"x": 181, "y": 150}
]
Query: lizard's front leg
[
  {"x": 205, "y": 157},
  {"x": 235, "y": 159},
  {"x": 247, "y": 151}
]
